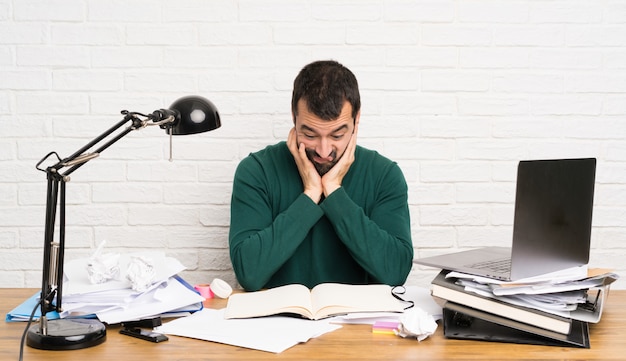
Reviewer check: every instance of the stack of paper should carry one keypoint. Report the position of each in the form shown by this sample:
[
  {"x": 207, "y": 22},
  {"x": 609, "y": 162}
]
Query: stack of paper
[
  {"x": 553, "y": 309},
  {"x": 115, "y": 301},
  {"x": 580, "y": 298}
]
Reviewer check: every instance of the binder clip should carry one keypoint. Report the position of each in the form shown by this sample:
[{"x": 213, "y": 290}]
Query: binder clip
[{"x": 134, "y": 329}]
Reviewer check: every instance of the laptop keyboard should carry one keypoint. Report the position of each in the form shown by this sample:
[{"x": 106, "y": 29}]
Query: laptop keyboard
[{"x": 499, "y": 265}]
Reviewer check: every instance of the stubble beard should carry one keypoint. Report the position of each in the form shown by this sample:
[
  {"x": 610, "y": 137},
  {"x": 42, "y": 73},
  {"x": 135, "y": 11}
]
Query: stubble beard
[{"x": 322, "y": 168}]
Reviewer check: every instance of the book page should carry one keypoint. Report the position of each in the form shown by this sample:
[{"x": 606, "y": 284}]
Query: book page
[
  {"x": 333, "y": 298},
  {"x": 290, "y": 298}
]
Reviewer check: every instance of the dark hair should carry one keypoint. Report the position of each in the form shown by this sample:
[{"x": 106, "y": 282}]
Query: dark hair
[{"x": 325, "y": 85}]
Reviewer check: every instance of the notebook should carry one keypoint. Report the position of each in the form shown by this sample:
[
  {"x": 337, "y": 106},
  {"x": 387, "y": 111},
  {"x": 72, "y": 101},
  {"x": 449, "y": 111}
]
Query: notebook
[{"x": 551, "y": 225}]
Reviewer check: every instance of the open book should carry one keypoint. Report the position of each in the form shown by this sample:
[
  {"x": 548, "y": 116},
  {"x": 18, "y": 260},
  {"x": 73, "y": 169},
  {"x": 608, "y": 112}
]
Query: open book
[{"x": 324, "y": 300}]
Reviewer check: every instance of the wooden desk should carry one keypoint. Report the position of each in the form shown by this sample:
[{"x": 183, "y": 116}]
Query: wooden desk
[{"x": 351, "y": 342}]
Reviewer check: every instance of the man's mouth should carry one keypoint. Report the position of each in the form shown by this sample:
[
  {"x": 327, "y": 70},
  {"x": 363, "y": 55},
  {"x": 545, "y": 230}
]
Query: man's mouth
[
  {"x": 322, "y": 160},
  {"x": 322, "y": 164}
]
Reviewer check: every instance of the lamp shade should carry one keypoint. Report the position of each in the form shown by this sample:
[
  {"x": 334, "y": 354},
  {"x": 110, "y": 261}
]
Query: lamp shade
[{"x": 195, "y": 115}]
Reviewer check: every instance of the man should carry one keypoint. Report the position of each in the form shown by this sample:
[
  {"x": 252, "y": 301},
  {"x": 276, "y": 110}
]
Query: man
[{"x": 318, "y": 208}]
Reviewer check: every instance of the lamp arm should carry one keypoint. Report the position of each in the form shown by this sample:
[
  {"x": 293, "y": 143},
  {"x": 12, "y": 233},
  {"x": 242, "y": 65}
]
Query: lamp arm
[
  {"x": 52, "y": 278},
  {"x": 80, "y": 157}
]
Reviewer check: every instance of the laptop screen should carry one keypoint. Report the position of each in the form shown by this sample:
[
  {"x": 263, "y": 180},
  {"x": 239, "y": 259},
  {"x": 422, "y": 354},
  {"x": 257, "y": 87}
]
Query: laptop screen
[{"x": 553, "y": 210}]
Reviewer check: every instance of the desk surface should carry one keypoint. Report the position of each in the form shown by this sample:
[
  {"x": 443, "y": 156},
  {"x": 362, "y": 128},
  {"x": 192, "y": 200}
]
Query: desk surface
[{"x": 351, "y": 342}]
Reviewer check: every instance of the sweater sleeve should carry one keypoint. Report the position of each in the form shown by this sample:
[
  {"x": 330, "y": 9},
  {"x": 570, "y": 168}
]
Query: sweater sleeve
[
  {"x": 260, "y": 240},
  {"x": 381, "y": 240}
]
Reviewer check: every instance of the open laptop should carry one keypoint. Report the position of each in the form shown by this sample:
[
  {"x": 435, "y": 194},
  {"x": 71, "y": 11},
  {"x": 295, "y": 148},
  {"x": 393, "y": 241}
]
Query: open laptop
[{"x": 551, "y": 226}]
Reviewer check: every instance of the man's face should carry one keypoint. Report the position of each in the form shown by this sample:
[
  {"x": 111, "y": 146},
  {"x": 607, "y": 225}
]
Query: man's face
[{"x": 325, "y": 141}]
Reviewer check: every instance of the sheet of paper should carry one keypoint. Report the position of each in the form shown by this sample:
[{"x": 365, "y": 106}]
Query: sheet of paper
[
  {"x": 271, "y": 334},
  {"x": 569, "y": 274},
  {"x": 535, "y": 289}
]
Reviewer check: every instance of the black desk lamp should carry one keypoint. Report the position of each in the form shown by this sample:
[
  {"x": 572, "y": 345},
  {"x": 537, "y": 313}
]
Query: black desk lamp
[{"x": 187, "y": 115}]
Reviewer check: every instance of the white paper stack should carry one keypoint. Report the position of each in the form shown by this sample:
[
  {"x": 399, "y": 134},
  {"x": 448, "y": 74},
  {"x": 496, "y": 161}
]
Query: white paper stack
[
  {"x": 577, "y": 297},
  {"x": 115, "y": 300}
]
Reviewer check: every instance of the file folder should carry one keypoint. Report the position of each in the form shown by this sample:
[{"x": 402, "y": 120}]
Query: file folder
[{"x": 466, "y": 323}]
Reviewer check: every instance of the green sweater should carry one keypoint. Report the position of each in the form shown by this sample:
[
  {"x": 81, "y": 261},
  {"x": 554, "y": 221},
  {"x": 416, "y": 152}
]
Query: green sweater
[{"x": 360, "y": 234}]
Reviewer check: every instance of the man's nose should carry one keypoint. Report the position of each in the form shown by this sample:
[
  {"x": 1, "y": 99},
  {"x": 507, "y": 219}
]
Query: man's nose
[{"x": 324, "y": 148}]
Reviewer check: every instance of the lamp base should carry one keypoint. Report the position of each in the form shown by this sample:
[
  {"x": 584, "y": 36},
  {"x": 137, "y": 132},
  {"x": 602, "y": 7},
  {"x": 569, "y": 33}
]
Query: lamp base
[{"x": 66, "y": 334}]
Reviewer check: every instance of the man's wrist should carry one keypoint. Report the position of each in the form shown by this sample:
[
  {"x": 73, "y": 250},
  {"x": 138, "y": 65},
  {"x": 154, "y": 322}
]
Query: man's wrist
[
  {"x": 328, "y": 190},
  {"x": 315, "y": 196}
]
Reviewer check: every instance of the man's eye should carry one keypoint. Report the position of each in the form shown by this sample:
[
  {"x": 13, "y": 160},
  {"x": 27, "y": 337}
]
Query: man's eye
[
  {"x": 309, "y": 136},
  {"x": 337, "y": 136}
]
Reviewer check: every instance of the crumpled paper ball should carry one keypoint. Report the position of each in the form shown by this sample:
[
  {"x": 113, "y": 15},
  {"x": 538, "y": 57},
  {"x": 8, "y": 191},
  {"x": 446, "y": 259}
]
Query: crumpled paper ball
[
  {"x": 103, "y": 267},
  {"x": 417, "y": 323},
  {"x": 141, "y": 273}
]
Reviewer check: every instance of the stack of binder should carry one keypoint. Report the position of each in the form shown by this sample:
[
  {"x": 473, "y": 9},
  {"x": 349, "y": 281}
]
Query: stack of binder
[{"x": 541, "y": 314}]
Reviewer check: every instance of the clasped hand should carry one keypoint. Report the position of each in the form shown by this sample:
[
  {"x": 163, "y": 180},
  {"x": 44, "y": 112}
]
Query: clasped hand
[{"x": 314, "y": 184}]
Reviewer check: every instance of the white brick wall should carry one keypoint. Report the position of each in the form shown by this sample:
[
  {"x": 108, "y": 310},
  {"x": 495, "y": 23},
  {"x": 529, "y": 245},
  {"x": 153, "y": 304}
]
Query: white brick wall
[{"x": 456, "y": 91}]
